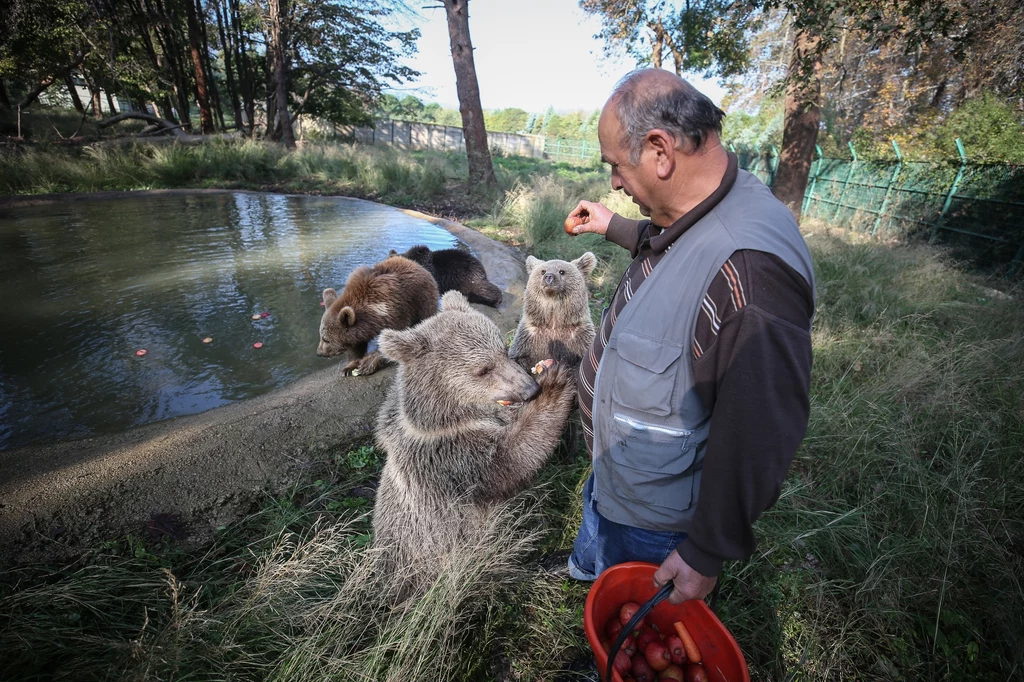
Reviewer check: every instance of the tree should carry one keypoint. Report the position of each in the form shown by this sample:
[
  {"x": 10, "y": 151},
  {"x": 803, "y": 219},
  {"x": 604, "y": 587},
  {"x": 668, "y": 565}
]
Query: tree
[
  {"x": 40, "y": 44},
  {"x": 481, "y": 171},
  {"x": 701, "y": 36},
  {"x": 817, "y": 26}
]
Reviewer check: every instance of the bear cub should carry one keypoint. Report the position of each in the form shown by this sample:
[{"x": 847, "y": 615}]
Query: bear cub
[
  {"x": 393, "y": 294},
  {"x": 464, "y": 428},
  {"x": 556, "y": 320},
  {"x": 456, "y": 270}
]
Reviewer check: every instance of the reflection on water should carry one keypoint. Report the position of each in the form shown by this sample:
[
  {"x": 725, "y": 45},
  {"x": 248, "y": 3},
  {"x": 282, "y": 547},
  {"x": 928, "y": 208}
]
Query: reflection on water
[{"x": 83, "y": 285}]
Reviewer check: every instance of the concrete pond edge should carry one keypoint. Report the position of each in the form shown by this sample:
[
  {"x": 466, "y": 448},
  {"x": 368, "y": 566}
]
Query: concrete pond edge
[{"x": 208, "y": 469}]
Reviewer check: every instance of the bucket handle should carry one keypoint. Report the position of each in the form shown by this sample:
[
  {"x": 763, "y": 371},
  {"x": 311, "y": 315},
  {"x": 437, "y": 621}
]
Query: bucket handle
[{"x": 659, "y": 596}]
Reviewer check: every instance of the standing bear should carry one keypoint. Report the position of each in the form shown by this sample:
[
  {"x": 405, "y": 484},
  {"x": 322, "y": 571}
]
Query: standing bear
[
  {"x": 393, "y": 294},
  {"x": 556, "y": 320},
  {"x": 464, "y": 428},
  {"x": 456, "y": 270}
]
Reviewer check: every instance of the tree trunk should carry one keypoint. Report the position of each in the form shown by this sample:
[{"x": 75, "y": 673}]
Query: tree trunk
[
  {"x": 94, "y": 94},
  {"x": 166, "y": 34},
  {"x": 481, "y": 172},
  {"x": 5, "y": 101},
  {"x": 802, "y": 118},
  {"x": 227, "y": 48},
  {"x": 278, "y": 38},
  {"x": 246, "y": 84},
  {"x": 73, "y": 91},
  {"x": 208, "y": 67},
  {"x": 110, "y": 102},
  {"x": 195, "y": 50},
  {"x": 37, "y": 90}
]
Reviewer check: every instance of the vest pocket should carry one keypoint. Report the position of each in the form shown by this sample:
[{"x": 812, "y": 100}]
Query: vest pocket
[
  {"x": 646, "y": 380},
  {"x": 652, "y": 463}
]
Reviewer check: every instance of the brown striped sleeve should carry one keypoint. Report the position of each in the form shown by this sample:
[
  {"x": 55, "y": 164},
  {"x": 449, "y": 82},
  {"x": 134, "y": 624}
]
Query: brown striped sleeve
[{"x": 752, "y": 363}]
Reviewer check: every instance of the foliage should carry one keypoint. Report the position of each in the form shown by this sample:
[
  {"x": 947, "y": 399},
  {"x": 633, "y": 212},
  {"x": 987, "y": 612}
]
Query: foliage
[
  {"x": 704, "y": 36},
  {"x": 344, "y": 56}
]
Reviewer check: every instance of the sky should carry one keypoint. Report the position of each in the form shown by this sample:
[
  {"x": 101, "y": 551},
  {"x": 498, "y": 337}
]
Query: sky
[{"x": 529, "y": 54}]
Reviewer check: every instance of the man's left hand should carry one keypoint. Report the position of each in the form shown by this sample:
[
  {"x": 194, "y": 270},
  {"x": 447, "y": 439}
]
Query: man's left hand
[{"x": 689, "y": 584}]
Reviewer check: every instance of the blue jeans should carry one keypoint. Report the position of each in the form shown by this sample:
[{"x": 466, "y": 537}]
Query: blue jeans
[{"x": 601, "y": 543}]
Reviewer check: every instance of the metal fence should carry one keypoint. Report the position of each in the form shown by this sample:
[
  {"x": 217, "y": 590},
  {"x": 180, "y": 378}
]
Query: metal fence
[
  {"x": 571, "y": 151},
  {"x": 978, "y": 206},
  {"x": 412, "y": 135}
]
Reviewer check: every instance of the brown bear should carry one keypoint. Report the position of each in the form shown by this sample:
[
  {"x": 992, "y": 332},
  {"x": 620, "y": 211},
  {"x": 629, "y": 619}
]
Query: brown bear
[
  {"x": 456, "y": 270},
  {"x": 393, "y": 294},
  {"x": 556, "y": 320},
  {"x": 464, "y": 428}
]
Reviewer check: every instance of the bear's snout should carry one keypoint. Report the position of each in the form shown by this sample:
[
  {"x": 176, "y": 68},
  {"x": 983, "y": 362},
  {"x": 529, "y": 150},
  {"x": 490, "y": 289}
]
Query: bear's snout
[{"x": 549, "y": 279}]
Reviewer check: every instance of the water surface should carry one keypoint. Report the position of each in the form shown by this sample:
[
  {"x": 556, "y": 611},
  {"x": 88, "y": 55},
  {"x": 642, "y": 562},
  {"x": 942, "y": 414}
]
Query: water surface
[{"x": 85, "y": 284}]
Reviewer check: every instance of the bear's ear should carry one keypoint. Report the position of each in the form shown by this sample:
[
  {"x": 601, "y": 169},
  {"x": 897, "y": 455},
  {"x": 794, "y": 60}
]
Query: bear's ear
[
  {"x": 347, "y": 316},
  {"x": 330, "y": 296},
  {"x": 402, "y": 346},
  {"x": 531, "y": 263},
  {"x": 391, "y": 253},
  {"x": 586, "y": 263},
  {"x": 454, "y": 300}
]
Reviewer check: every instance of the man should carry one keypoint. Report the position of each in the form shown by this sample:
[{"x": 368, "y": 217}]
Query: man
[{"x": 694, "y": 396}]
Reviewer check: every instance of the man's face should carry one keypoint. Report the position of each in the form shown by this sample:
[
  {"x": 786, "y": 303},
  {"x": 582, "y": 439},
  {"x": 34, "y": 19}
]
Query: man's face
[{"x": 635, "y": 181}]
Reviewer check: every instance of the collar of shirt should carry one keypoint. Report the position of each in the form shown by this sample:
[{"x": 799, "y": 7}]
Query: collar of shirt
[{"x": 658, "y": 239}]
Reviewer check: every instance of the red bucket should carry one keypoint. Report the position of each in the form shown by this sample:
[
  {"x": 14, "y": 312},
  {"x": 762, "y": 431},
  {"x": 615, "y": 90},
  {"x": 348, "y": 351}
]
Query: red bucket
[{"x": 634, "y": 581}]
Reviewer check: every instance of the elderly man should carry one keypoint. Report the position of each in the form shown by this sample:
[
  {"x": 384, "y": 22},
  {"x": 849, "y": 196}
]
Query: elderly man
[{"x": 694, "y": 396}]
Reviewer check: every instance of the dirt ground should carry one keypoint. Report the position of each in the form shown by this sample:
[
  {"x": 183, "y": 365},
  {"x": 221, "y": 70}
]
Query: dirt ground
[{"x": 202, "y": 470}]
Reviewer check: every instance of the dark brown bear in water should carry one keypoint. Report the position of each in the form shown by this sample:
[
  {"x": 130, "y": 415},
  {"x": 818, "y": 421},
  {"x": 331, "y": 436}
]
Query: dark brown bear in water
[
  {"x": 456, "y": 270},
  {"x": 393, "y": 294},
  {"x": 465, "y": 429}
]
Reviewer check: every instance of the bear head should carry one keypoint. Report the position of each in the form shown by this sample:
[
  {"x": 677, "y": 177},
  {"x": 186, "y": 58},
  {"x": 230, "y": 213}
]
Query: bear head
[
  {"x": 455, "y": 364},
  {"x": 558, "y": 278},
  {"x": 352, "y": 319},
  {"x": 420, "y": 254}
]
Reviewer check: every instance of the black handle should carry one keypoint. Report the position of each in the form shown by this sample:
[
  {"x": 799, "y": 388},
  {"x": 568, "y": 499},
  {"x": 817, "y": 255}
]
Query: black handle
[{"x": 659, "y": 596}]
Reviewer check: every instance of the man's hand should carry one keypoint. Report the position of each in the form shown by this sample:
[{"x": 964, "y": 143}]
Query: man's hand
[
  {"x": 595, "y": 217},
  {"x": 689, "y": 584}
]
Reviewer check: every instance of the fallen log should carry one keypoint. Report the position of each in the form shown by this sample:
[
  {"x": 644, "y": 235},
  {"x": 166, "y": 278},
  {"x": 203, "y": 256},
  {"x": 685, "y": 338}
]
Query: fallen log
[{"x": 165, "y": 125}]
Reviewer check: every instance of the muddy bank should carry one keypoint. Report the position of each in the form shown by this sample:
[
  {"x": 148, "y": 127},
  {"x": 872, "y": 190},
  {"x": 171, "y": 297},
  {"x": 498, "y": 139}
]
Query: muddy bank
[{"x": 206, "y": 469}]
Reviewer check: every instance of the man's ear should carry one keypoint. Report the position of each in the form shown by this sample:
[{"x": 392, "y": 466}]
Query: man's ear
[
  {"x": 347, "y": 316},
  {"x": 531, "y": 263},
  {"x": 586, "y": 263},
  {"x": 330, "y": 296},
  {"x": 664, "y": 147},
  {"x": 402, "y": 346}
]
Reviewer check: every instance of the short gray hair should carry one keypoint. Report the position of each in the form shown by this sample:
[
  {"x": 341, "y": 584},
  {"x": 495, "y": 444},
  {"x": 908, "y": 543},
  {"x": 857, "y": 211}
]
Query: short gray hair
[{"x": 680, "y": 110}]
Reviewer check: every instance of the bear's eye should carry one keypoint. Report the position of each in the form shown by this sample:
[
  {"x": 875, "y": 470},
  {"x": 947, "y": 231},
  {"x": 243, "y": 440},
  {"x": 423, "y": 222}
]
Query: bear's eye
[
  {"x": 561, "y": 272},
  {"x": 484, "y": 371},
  {"x": 324, "y": 339}
]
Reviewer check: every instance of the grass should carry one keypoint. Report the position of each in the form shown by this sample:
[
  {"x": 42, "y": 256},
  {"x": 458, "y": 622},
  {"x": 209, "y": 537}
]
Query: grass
[{"x": 896, "y": 550}]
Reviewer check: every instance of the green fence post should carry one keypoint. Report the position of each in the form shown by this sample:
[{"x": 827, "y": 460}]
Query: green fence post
[
  {"x": 809, "y": 194},
  {"x": 558, "y": 150},
  {"x": 773, "y": 165},
  {"x": 846, "y": 183},
  {"x": 952, "y": 189},
  {"x": 731, "y": 148},
  {"x": 888, "y": 190},
  {"x": 757, "y": 160}
]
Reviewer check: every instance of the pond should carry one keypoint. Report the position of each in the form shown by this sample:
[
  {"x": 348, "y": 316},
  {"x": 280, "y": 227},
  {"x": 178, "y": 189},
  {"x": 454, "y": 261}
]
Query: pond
[{"x": 86, "y": 285}]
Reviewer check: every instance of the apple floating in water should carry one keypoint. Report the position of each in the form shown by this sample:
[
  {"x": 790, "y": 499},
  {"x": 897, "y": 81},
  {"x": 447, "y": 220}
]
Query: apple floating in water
[
  {"x": 257, "y": 345},
  {"x": 140, "y": 352}
]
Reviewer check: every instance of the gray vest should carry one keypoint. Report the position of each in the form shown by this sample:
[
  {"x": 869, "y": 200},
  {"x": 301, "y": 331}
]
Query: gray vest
[{"x": 650, "y": 426}]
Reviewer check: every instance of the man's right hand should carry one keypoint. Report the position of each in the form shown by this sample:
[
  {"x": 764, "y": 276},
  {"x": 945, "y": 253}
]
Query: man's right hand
[{"x": 597, "y": 217}]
